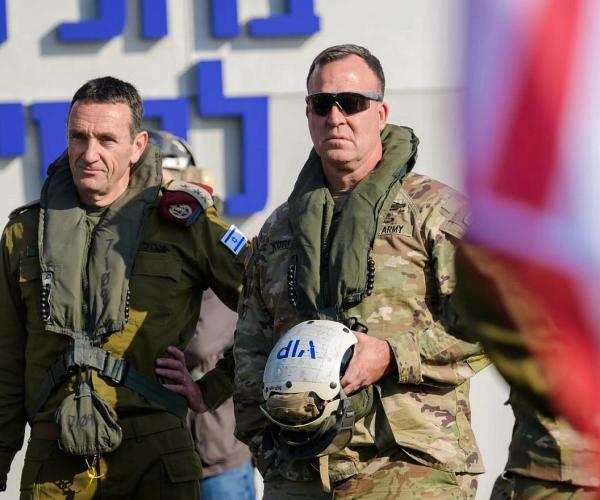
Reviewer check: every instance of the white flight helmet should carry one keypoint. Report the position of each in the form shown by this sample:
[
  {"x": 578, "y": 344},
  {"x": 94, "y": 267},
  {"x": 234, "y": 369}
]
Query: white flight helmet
[{"x": 311, "y": 414}]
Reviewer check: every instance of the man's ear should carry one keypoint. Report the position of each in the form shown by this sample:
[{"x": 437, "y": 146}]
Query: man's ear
[
  {"x": 383, "y": 115},
  {"x": 139, "y": 144}
]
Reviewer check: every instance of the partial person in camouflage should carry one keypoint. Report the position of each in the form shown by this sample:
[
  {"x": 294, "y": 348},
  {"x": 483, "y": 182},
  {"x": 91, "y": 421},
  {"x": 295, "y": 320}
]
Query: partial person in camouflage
[
  {"x": 364, "y": 241},
  {"x": 547, "y": 458}
]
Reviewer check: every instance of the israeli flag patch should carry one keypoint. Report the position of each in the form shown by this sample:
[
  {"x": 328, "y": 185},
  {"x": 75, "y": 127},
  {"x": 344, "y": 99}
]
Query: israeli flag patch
[{"x": 234, "y": 239}]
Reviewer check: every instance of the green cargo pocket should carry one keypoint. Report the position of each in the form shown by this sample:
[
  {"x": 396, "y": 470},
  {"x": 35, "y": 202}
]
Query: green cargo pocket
[
  {"x": 154, "y": 280},
  {"x": 182, "y": 466},
  {"x": 30, "y": 283}
]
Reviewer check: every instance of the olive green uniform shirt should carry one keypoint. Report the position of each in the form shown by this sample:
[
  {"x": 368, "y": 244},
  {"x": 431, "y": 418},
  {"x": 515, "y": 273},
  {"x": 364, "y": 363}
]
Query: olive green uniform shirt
[{"x": 173, "y": 266}]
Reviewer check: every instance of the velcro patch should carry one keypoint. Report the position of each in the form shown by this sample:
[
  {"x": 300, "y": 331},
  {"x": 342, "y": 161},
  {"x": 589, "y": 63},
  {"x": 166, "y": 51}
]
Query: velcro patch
[
  {"x": 457, "y": 225},
  {"x": 234, "y": 239},
  {"x": 183, "y": 202}
]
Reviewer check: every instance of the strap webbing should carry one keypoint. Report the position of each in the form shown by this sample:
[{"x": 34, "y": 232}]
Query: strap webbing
[
  {"x": 324, "y": 473},
  {"x": 384, "y": 436},
  {"x": 156, "y": 393},
  {"x": 108, "y": 366}
]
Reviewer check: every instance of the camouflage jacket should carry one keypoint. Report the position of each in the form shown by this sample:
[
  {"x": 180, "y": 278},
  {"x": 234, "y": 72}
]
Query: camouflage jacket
[
  {"x": 426, "y": 399},
  {"x": 548, "y": 448},
  {"x": 543, "y": 446}
]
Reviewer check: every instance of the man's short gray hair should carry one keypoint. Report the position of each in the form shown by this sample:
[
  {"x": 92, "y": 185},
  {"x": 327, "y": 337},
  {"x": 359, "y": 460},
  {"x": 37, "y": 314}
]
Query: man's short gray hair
[{"x": 338, "y": 52}]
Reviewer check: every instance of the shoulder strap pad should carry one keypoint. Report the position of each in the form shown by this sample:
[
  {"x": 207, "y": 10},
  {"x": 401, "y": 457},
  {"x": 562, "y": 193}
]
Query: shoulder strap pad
[
  {"x": 457, "y": 218},
  {"x": 23, "y": 208},
  {"x": 183, "y": 202},
  {"x": 201, "y": 192}
]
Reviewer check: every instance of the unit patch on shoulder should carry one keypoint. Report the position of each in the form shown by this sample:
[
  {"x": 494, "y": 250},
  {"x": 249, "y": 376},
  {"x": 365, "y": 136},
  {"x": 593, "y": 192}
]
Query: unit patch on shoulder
[
  {"x": 234, "y": 239},
  {"x": 183, "y": 202}
]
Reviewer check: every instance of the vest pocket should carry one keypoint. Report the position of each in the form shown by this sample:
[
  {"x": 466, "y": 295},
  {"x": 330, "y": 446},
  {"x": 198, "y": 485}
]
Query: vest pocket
[
  {"x": 153, "y": 285},
  {"x": 30, "y": 283},
  {"x": 182, "y": 466},
  {"x": 29, "y": 269}
]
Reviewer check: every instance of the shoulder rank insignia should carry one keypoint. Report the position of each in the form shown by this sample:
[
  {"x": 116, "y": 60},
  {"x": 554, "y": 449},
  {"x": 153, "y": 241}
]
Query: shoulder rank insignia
[
  {"x": 183, "y": 202},
  {"x": 23, "y": 208}
]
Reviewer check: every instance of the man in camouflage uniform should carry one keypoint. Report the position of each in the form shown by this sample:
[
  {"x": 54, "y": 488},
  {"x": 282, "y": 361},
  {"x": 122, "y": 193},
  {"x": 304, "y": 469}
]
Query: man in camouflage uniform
[
  {"x": 365, "y": 241},
  {"x": 547, "y": 457},
  {"x": 112, "y": 264}
]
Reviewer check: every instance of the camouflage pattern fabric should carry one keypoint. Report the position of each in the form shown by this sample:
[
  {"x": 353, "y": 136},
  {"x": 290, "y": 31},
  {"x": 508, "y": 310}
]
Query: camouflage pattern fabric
[
  {"x": 516, "y": 487},
  {"x": 426, "y": 398},
  {"x": 544, "y": 448},
  {"x": 387, "y": 479},
  {"x": 488, "y": 299},
  {"x": 548, "y": 448},
  {"x": 407, "y": 480}
]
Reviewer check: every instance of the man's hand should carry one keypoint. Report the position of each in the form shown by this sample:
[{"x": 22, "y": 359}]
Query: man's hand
[
  {"x": 372, "y": 359},
  {"x": 175, "y": 369}
]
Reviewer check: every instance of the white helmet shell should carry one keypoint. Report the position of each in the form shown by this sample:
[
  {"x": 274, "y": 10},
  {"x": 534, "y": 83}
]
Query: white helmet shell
[{"x": 308, "y": 358}]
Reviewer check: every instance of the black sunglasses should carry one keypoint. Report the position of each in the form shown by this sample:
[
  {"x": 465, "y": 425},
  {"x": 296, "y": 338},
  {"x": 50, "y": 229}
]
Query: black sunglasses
[{"x": 349, "y": 103}]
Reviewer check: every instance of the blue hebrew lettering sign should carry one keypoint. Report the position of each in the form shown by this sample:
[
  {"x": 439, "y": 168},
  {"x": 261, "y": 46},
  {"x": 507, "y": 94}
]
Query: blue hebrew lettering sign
[
  {"x": 12, "y": 129},
  {"x": 109, "y": 23},
  {"x": 253, "y": 113}
]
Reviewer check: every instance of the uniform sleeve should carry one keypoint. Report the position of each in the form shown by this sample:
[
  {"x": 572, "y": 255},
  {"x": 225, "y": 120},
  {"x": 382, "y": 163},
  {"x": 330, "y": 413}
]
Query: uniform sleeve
[
  {"x": 251, "y": 351},
  {"x": 483, "y": 295},
  {"x": 439, "y": 353},
  {"x": 12, "y": 345},
  {"x": 217, "y": 384},
  {"x": 225, "y": 268}
]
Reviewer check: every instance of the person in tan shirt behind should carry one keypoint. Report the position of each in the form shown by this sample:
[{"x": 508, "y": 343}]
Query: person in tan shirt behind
[{"x": 227, "y": 469}]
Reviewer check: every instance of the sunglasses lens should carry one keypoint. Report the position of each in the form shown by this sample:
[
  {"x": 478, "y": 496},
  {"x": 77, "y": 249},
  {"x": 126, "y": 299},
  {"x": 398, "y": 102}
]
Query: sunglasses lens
[
  {"x": 321, "y": 104},
  {"x": 350, "y": 103}
]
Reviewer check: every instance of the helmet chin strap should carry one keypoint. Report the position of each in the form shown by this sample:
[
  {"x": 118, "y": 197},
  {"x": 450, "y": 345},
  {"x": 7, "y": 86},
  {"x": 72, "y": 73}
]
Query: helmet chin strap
[
  {"x": 324, "y": 473},
  {"x": 335, "y": 433}
]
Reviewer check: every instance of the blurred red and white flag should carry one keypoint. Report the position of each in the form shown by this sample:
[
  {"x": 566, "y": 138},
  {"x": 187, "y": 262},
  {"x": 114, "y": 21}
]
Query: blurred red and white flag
[{"x": 533, "y": 176}]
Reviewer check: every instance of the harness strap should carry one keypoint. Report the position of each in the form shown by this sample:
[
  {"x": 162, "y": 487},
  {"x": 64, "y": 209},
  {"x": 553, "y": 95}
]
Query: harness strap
[
  {"x": 108, "y": 366},
  {"x": 324, "y": 473},
  {"x": 384, "y": 436}
]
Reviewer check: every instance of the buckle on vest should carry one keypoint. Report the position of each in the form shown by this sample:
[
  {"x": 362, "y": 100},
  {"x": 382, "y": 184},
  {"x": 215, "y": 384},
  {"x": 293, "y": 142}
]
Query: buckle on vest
[
  {"x": 115, "y": 369},
  {"x": 353, "y": 323},
  {"x": 85, "y": 355}
]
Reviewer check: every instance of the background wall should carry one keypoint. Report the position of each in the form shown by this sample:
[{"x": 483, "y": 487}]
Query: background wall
[{"x": 419, "y": 44}]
